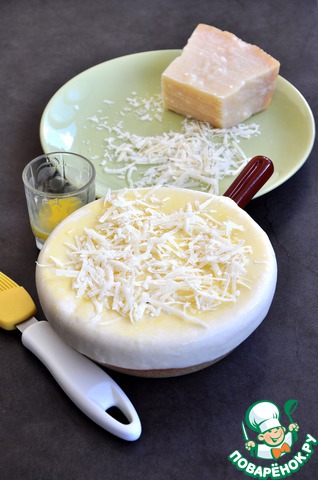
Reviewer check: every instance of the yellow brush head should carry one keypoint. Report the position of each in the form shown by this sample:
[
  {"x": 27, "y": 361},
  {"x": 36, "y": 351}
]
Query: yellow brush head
[{"x": 16, "y": 305}]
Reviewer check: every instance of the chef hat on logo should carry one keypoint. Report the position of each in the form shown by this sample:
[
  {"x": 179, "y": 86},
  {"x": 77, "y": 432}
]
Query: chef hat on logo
[{"x": 263, "y": 416}]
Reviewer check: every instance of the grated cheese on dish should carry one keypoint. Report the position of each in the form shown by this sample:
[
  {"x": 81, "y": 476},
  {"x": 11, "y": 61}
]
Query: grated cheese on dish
[
  {"x": 141, "y": 262},
  {"x": 198, "y": 156}
]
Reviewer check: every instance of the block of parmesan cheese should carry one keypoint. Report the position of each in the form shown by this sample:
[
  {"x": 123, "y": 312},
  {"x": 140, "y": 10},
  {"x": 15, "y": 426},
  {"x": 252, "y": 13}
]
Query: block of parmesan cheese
[{"x": 219, "y": 78}]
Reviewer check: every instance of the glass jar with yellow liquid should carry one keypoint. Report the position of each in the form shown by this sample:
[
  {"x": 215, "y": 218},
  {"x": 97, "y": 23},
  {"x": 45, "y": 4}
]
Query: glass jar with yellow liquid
[{"x": 56, "y": 184}]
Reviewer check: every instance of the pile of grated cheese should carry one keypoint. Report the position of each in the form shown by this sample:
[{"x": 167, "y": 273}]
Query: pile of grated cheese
[
  {"x": 198, "y": 156},
  {"x": 141, "y": 262}
]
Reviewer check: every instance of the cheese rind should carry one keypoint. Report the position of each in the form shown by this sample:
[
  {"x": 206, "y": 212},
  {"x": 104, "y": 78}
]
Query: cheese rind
[{"x": 218, "y": 78}]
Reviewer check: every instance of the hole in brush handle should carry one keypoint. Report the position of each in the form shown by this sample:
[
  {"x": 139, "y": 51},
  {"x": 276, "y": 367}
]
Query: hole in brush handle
[{"x": 251, "y": 179}]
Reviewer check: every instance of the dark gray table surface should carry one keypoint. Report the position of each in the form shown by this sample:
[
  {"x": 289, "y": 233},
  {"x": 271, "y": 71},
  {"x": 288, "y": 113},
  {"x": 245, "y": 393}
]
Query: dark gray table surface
[{"x": 191, "y": 424}]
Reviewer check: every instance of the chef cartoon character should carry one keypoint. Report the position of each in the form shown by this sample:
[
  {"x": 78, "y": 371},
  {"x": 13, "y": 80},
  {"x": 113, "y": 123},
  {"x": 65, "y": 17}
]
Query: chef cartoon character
[{"x": 264, "y": 418}]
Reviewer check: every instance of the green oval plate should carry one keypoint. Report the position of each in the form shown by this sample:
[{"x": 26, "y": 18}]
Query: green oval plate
[{"x": 287, "y": 127}]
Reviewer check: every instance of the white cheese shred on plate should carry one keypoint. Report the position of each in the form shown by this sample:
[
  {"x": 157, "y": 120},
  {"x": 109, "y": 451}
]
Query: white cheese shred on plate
[
  {"x": 197, "y": 156},
  {"x": 142, "y": 262}
]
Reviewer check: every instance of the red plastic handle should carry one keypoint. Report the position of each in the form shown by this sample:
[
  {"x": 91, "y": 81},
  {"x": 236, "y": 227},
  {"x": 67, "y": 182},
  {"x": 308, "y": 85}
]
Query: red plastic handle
[{"x": 251, "y": 179}]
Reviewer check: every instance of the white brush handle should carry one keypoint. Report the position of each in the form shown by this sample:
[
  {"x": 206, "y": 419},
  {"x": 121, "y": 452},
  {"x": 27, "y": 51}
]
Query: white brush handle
[{"x": 87, "y": 385}]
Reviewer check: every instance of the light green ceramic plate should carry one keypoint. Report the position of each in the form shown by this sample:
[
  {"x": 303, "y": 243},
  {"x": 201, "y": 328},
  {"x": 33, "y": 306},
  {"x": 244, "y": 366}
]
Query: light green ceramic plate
[{"x": 287, "y": 126}]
